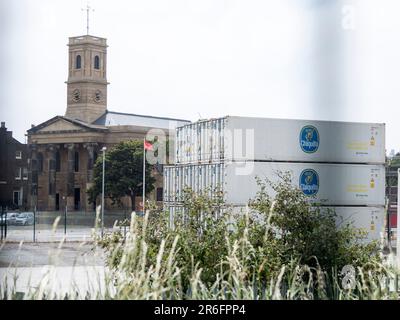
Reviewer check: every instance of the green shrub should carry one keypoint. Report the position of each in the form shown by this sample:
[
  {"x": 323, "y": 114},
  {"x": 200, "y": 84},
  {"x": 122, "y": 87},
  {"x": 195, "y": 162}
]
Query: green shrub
[{"x": 279, "y": 247}]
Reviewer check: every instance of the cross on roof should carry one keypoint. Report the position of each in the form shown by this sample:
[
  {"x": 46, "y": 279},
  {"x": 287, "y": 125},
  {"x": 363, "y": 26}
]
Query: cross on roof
[{"x": 88, "y": 9}]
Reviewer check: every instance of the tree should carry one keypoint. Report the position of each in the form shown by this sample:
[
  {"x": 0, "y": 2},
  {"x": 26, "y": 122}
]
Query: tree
[
  {"x": 123, "y": 173},
  {"x": 392, "y": 165}
]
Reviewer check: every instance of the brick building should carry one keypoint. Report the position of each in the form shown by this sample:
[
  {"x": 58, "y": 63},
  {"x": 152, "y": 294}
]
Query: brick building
[
  {"x": 13, "y": 170},
  {"x": 64, "y": 148}
]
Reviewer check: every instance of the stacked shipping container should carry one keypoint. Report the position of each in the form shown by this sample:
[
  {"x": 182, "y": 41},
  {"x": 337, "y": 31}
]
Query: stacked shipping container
[
  {"x": 337, "y": 164},
  {"x": 280, "y": 140}
]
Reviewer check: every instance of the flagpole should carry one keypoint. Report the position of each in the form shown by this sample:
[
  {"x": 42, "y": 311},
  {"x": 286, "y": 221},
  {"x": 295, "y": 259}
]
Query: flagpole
[{"x": 144, "y": 174}]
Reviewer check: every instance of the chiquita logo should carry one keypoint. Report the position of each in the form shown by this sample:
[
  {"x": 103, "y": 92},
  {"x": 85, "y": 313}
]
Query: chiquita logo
[
  {"x": 309, "y": 182},
  {"x": 309, "y": 139}
]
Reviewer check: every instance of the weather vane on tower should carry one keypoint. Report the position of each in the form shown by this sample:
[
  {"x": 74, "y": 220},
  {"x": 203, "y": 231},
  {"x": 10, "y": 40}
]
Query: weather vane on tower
[{"x": 87, "y": 9}]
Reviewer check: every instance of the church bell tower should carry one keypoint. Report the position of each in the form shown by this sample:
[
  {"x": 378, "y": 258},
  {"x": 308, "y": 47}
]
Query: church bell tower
[{"x": 87, "y": 78}]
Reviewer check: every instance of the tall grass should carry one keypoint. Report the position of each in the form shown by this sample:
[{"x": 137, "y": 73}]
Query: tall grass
[{"x": 135, "y": 275}]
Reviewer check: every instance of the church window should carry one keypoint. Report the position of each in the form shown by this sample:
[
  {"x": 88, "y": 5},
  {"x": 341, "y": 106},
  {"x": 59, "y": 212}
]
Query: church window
[
  {"x": 40, "y": 162},
  {"x": 76, "y": 162},
  {"x": 78, "y": 63},
  {"x": 96, "y": 62},
  {"x": 58, "y": 161}
]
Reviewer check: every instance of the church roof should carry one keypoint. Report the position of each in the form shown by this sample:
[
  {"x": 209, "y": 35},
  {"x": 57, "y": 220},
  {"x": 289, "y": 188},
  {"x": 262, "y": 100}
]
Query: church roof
[
  {"x": 111, "y": 118},
  {"x": 108, "y": 119},
  {"x": 73, "y": 121}
]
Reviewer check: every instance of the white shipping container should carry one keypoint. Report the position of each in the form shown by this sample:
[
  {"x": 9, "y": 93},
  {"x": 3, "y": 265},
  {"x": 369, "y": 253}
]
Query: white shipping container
[
  {"x": 370, "y": 219},
  {"x": 264, "y": 139},
  {"x": 324, "y": 183},
  {"x": 328, "y": 184},
  {"x": 196, "y": 177}
]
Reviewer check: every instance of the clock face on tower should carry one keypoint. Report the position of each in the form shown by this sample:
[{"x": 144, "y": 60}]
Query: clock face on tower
[
  {"x": 97, "y": 96},
  {"x": 76, "y": 95}
]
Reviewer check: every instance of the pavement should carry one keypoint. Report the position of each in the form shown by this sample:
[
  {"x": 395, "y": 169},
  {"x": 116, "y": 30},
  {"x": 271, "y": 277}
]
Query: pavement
[
  {"x": 57, "y": 267},
  {"x": 54, "y": 282},
  {"x": 51, "y": 253}
]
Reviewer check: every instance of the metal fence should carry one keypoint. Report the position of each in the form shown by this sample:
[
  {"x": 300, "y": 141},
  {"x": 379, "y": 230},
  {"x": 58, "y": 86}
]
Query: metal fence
[{"x": 46, "y": 226}]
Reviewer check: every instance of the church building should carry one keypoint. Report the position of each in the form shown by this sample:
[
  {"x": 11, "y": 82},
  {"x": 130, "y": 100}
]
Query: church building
[{"x": 64, "y": 148}]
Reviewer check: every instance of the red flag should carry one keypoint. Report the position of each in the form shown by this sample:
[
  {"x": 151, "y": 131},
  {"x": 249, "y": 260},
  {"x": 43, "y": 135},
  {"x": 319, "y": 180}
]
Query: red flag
[{"x": 147, "y": 145}]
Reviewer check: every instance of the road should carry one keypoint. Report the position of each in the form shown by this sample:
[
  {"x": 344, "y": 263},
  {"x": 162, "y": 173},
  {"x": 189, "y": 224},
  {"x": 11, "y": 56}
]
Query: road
[{"x": 48, "y": 234}]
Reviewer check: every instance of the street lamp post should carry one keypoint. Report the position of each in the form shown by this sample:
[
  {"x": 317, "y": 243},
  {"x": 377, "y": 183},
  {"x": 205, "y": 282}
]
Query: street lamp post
[{"x": 102, "y": 192}]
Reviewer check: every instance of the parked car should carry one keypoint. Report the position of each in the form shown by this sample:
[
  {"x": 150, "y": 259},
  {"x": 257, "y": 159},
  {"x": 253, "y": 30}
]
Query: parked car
[
  {"x": 8, "y": 218},
  {"x": 24, "y": 219}
]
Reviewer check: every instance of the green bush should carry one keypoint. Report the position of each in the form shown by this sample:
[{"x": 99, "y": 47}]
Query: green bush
[{"x": 278, "y": 247}]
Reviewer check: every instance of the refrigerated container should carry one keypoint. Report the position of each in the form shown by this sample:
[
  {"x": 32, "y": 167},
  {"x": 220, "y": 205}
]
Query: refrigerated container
[
  {"x": 199, "y": 178},
  {"x": 265, "y": 139},
  {"x": 369, "y": 219},
  {"x": 324, "y": 183}
]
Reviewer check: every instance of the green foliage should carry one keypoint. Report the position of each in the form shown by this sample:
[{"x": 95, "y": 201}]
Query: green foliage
[
  {"x": 279, "y": 247},
  {"x": 308, "y": 233},
  {"x": 392, "y": 165},
  {"x": 393, "y": 161},
  {"x": 123, "y": 173},
  {"x": 202, "y": 235}
]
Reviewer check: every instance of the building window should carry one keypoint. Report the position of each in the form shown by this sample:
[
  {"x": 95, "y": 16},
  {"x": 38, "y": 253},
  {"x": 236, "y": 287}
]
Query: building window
[
  {"x": 97, "y": 62},
  {"x": 18, "y": 154},
  {"x": 40, "y": 162},
  {"x": 76, "y": 161},
  {"x": 25, "y": 173},
  {"x": 18, "y": 173},
  {"x": 51, "y": 188},
  {"x": 78, "y": 62},
  {"x": 16, "y": 198},
  {"x": 159, "y": 194},
  {"x": 58, "y": 161}
]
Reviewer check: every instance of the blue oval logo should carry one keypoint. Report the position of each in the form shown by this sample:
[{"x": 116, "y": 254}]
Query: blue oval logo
[
  {"x": 309, "y": 182},
  {"x": 309, "y": 139}
]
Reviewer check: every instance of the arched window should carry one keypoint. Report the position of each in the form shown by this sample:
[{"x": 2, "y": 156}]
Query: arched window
[
  {"x": 40, "y": 162},
  {"x": 78, "y": 62},
  {"x": 96, "y": 62}
]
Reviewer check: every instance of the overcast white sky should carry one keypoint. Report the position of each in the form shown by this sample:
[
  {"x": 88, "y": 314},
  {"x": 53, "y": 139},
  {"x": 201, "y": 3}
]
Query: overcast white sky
[{"x": 308, "y": 59}]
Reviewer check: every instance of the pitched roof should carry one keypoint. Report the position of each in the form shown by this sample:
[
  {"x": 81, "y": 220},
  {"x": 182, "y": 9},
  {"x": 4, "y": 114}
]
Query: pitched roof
[
  {"x": 112, "y": 118},
  {"x": 74, "y": 121}
]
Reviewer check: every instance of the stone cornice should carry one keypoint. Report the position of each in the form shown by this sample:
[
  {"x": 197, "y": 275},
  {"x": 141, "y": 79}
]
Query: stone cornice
[
  {"x": 66, "y": 131},
  {"x": 80, "y": 80}
]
